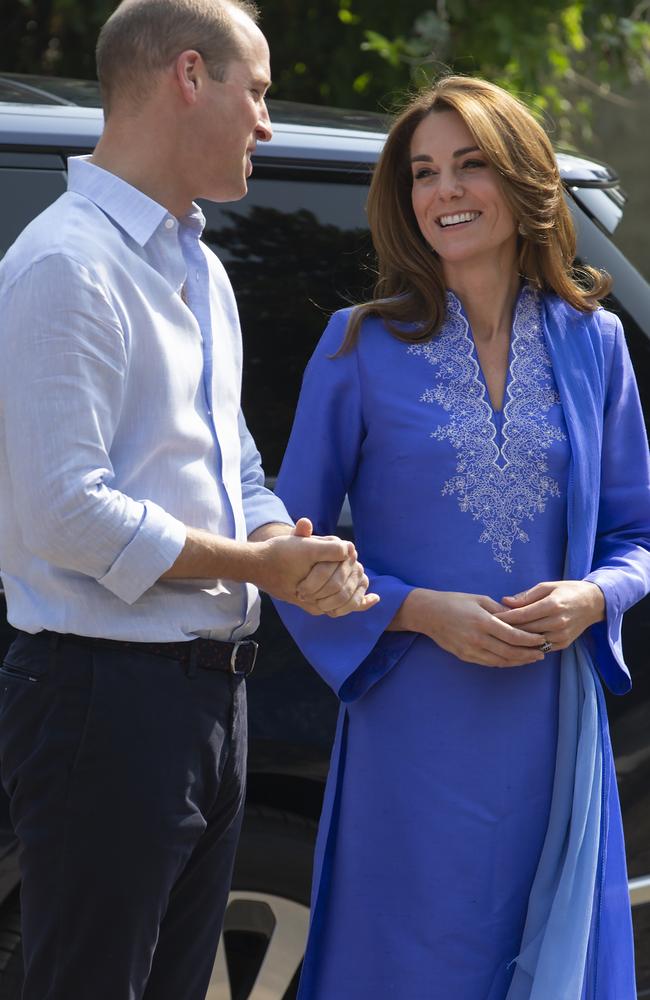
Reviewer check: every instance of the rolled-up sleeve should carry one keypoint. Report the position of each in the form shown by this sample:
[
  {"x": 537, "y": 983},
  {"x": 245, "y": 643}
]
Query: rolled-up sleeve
[
  {"x": 261, "y": 506},
  {"x": 63, "y": 364}
]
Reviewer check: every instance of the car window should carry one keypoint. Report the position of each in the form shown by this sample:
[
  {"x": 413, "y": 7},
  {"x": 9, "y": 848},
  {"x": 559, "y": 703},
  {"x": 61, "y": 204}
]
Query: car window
[
  {"x": 295, "y": 251},
  {"x": 25, "y": 193},
  {"x": 638, "y": 343}
]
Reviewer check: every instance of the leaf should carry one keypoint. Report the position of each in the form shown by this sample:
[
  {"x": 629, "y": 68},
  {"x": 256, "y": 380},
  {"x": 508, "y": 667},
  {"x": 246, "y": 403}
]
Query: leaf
[
  {"x": 391, "y": 51},
  {"x": 571, "y": 20},
  {"x": 361, "y": 83},
  {"x": 347, "y": 17}
]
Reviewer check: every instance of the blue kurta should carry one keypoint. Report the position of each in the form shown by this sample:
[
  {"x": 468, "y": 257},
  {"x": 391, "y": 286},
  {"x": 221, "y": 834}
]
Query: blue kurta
[{"x": 440, "y": 790}]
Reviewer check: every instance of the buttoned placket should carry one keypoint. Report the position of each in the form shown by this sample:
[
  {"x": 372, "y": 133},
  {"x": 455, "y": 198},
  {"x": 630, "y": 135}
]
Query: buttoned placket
[{"x": 197, "y": 298}]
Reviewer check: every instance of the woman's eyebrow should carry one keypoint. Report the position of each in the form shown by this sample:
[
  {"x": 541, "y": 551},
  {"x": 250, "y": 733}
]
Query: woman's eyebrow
[{"x": 424, "y": 157}]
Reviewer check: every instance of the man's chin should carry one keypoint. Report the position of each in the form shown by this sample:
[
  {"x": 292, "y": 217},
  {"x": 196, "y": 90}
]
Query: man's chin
[{"x": 234, "y": 193}]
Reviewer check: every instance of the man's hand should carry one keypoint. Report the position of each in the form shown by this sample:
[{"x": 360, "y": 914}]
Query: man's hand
[
  {"x": 334, "y": 589},
  {"x": 558, "y": 610},
  {"x": 320, "y": 575}
]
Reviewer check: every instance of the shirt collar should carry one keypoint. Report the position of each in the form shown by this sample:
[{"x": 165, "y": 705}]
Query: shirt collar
[
  {"x": 132, "y": 210},
  {"x": 194, "y": 220}
]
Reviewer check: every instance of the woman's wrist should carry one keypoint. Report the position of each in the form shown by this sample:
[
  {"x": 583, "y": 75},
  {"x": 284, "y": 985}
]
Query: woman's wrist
[
  {"x": 414, "y": 612},
  {"x": 598, "y": 603}
]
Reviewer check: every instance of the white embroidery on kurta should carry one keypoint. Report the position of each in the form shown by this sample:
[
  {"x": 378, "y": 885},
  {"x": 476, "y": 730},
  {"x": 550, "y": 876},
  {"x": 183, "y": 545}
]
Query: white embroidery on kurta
[{"x": 500, "y": 487}]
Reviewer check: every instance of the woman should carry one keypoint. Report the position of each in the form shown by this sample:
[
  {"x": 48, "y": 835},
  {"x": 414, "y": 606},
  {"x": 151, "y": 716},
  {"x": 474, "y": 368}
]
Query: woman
[{"x": 481, "y": 414}]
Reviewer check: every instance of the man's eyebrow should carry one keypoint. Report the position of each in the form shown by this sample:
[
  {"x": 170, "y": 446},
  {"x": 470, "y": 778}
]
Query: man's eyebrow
[{"x": 425, "y": 158}]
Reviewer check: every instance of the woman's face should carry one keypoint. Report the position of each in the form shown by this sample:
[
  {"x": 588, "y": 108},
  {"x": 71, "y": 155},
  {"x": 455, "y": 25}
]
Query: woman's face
[{"x": 457, "y": 197}]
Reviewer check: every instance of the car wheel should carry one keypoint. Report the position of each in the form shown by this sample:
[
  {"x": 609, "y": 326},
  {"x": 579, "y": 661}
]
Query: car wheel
[{"x": 265, "y": 928}]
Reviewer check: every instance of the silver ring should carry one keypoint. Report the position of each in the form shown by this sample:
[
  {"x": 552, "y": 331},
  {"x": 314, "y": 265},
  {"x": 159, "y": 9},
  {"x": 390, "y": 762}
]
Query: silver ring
[{"x": 546, "y": 646}]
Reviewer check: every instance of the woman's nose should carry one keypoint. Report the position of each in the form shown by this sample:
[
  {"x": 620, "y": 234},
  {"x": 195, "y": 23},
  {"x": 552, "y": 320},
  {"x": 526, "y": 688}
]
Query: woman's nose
[{"x": 449, "y": 185}]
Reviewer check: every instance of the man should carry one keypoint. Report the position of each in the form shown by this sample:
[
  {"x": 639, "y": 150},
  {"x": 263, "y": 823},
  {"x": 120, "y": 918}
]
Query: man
[{"x": 134, "y": 524}]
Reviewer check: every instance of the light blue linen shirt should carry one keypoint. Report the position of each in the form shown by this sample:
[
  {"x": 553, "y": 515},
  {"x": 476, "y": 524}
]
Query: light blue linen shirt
[{"x": 120, "y": 420}]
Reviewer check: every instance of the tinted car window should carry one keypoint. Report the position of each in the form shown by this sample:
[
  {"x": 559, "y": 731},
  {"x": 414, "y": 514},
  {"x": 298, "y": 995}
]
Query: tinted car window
[
  {"x": 639, "y": 346},
  {"x": 295, "y": 251},
  {"x": 25, "y": 193}
]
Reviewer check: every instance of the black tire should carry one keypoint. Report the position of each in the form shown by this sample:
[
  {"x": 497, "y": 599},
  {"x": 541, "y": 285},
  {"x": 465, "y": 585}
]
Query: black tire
[{"x": 11, "y": 951}]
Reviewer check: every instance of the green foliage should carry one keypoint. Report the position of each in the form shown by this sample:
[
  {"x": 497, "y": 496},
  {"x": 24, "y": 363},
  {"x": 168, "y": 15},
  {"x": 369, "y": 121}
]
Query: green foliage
[
  {"x": 359, "y": 53},
  {"x": 557, "y": 54}
]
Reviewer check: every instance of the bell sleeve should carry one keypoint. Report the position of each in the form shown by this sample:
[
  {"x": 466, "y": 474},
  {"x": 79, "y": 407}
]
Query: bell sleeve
[
  {"x": 621, "y": 563},
  {"x": 352, "y": 652}
]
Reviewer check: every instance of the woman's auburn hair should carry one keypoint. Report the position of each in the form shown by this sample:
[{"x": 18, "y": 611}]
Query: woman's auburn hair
[{"x": 409, "y": 295}]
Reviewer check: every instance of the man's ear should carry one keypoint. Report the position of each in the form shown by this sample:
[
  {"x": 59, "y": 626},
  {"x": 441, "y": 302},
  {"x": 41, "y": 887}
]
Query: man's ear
[{"x": 189, "y": 72}]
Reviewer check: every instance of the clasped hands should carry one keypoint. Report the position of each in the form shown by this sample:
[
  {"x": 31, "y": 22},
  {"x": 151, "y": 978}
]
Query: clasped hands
[
  {"x": 322, "y": 575},
  {"x": 478, "y": 629}
]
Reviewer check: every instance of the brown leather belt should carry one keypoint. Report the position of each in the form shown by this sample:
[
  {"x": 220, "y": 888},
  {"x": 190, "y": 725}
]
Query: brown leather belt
[{"x": 197, "y": 654}]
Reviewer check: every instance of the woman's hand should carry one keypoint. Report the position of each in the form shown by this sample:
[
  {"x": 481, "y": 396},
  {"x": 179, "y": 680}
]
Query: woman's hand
[
  {"x": 559, "y": 610},
  {"x": 467, "y": 626}
]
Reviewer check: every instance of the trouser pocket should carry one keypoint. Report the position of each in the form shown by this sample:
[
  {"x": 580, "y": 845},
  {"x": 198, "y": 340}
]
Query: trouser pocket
[
  {"x": 27, "y": 659},
  {"x": 19, "y": 673}
]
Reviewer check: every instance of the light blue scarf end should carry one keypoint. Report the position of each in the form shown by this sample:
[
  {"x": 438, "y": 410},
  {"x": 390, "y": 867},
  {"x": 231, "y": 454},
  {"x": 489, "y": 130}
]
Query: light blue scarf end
[{"x": 553, "y": 956}]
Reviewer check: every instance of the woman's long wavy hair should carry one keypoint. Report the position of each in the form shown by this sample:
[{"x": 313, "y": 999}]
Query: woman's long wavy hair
[{"x": 409, "y": 295}]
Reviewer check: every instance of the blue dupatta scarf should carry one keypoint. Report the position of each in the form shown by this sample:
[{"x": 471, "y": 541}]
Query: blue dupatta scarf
[{"x": 558, "y": 957}]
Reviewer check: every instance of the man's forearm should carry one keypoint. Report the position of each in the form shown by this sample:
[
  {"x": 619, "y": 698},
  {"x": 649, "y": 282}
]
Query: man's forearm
[
  {"x": 279, "y": 559},
  {"x": 206, "y": 556},
  {"x": 270, "y": 530}
]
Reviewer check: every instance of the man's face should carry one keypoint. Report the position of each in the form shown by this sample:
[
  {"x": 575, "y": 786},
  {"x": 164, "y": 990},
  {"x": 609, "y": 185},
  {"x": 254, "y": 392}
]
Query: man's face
[{"x": 234, "y": 118}]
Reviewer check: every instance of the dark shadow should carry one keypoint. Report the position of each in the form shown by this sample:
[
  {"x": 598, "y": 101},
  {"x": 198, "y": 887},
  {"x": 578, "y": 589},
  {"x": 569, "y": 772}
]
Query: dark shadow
[{"x": 289, "y": 272}]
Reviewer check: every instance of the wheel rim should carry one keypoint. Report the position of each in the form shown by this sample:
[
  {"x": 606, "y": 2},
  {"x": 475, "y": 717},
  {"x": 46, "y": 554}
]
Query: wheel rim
[{"x": 280, "y": 926}]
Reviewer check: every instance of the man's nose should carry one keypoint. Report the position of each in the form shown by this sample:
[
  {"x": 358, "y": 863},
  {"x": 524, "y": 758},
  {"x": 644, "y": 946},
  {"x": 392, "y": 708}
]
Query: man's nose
[{"x": 264, "y": 129}]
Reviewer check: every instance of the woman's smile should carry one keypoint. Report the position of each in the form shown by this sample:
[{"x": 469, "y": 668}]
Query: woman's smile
[{"x": 458, "y": 219}]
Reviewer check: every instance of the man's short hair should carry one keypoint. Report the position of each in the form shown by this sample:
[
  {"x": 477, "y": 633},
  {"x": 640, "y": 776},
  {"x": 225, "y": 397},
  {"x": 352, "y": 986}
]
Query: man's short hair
[{"x": 143, "y": 37}]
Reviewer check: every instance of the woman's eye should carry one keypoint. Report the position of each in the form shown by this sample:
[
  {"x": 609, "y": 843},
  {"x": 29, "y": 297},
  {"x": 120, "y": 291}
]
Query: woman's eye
[
  {"x": 423, "y": 172},
  {"x": 471, "y": 164}
]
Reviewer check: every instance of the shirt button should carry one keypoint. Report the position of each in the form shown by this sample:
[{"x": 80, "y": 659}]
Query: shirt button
[
  {"x": 197, "y": 275},
  {"x": 169, "y": 223}
]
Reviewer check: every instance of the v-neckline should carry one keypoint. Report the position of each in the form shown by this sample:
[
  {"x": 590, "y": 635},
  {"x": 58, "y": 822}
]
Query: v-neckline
[{"x": 497, "y": 413}]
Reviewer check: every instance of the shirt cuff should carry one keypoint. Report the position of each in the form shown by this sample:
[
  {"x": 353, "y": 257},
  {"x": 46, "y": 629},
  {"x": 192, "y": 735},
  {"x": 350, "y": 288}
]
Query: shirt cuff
[
  {"x": 264, "y": 508},
  {"x": 155, "y": 547}
]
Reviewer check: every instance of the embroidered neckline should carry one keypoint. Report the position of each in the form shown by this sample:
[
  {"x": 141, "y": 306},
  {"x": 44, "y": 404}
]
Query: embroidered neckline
[{"x": 500, "y": 486}]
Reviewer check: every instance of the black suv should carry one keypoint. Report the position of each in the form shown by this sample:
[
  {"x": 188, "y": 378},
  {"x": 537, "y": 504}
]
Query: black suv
[{"x": 296, "y": 248}]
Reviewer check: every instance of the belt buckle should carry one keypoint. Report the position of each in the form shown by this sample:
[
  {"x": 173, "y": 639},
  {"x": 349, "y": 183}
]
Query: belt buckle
[{"x": 233, "y": 657}]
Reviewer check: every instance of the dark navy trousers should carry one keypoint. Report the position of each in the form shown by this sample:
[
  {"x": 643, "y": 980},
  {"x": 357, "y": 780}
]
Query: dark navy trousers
[{"x": 126, "y": 778}]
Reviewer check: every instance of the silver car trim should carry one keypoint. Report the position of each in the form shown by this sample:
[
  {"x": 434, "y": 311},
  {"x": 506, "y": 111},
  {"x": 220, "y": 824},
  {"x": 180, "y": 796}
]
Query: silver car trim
[{"x": 639, "y": 890}]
